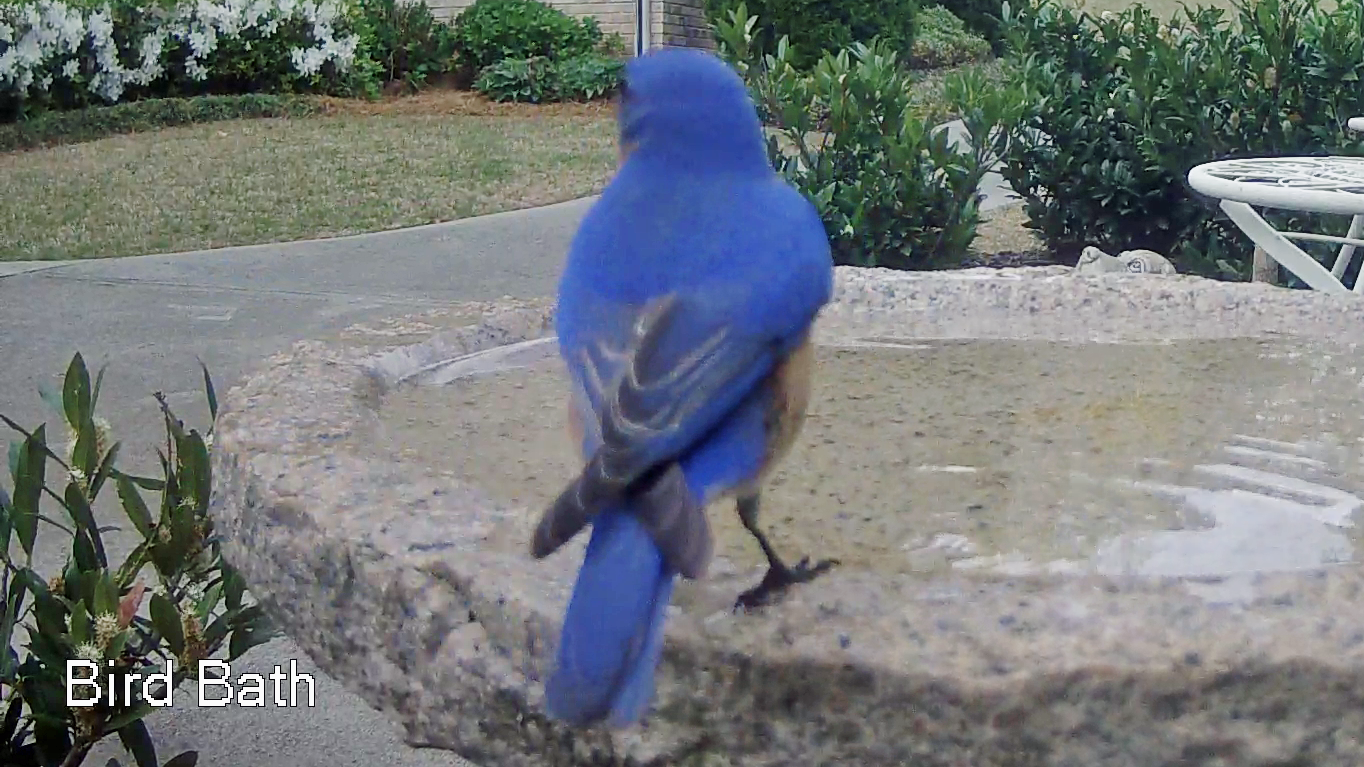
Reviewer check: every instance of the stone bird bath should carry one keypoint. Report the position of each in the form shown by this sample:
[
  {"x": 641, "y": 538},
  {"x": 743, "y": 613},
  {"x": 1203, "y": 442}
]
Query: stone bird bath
[{"x": 1084, "y": 520}]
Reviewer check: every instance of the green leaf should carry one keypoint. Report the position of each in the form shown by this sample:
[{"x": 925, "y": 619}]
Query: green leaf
[
  {"x": 29, "y": 479},
  {"x": 146, "y": 483},
  {"x": 128, "y": 716},
  {"x": 246, "y": 637},
  {"x": 106, "y": 595},
  {"x": 6, "y": 519},
  {"x": 171, "y": 556},
  {"x": 52, "y": 651},
  {"x": 84, "y": 518},
  {"x": 117, "y": 644},
  {"x": 84, "y": 455},
  {"x": 76, "y": 393},
  {"x": 83, "y": 552},
  {"x": 15, "y": 446},
  {"x": 208, "y": 602},
  {"x": 138, "y": 741},
  {"x": 11, "y": 720},
  {"x": 82, "y": 627},
  {"x": 106, "y": 467},
  {"x": 183, "y": 759},
  {"x": 73, "y": 582},
  {"x": 196, "y": 473},
  {"x": 137, "y": 559},
  {"x": 233, "y": 587},
  {"x": 14, "y": 607},
  {"x": 212, "y": 395},
  {"x": 166, "y": 619},
  {"x": 174, "y": 426},
  {"x": 134, "y": 506},
  {"x": 51, "y": 734},
  {"x": 94, "y": 395}
]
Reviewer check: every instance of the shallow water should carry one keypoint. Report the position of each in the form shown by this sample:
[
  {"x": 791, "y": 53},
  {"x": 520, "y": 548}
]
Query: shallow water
[{"x": 990, "y": 455}]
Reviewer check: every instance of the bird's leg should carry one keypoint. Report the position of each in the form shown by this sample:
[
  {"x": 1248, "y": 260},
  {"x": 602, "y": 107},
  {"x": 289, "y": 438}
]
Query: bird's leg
[{"x": 779, "y": 576}]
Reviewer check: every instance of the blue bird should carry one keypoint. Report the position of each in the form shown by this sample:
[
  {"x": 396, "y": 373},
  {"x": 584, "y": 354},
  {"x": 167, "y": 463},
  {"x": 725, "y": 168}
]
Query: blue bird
[{"x": 684, "y": 317}]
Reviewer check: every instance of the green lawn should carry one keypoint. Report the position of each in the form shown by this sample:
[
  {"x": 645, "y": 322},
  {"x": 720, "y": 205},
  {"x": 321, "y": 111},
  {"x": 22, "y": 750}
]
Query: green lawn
[{"x": 254, "y": 181}]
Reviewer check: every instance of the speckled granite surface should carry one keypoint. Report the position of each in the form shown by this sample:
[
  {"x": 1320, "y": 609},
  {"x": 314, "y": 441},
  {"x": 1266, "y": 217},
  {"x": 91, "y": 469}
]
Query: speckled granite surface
[{"x": 376, "y": 569}]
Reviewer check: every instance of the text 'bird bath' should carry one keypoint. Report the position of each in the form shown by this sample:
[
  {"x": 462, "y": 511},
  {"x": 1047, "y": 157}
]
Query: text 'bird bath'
[{"x": 1080, "y": 520}]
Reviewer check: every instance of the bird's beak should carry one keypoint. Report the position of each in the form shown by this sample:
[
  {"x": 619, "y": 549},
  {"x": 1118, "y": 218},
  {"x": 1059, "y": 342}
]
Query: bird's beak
[{"x": 625, "y": 149}]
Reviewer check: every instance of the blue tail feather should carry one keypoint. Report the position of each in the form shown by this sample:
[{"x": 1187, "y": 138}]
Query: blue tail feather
[{"x": 613, "y": 630}]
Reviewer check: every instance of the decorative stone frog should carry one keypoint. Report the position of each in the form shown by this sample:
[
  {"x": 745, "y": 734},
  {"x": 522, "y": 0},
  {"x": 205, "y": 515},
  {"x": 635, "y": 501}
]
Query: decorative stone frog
[{"x": 1095, "y": 261}]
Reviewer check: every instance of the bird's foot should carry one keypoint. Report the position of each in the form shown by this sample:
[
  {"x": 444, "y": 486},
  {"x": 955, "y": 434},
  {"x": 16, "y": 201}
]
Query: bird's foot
[{"x": 780, "y": 577}]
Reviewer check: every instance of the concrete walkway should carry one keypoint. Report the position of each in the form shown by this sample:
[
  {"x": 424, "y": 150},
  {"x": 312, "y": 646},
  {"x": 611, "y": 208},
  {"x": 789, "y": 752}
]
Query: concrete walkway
[{"x": 149, "y": 317}]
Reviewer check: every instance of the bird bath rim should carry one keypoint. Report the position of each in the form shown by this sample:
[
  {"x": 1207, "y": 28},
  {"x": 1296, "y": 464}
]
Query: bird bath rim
[{"x": 375, "y": 566}]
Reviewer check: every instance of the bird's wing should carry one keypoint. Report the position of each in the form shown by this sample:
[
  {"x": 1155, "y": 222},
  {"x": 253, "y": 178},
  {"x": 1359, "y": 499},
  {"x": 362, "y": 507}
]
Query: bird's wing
[{"x": 658, "y": 388}]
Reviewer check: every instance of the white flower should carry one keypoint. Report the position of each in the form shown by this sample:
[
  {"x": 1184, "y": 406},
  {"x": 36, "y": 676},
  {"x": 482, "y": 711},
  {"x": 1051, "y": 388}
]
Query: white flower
[
  {"x": 9, "y": 62},
  {"x": 106, "y": 628},
  {"x": 40, "y": 37},
  {"x": 90, "y": 651}
]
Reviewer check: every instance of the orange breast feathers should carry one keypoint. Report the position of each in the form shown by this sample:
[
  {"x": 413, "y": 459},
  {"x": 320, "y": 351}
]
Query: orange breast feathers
[{"x": 791, "y": 384}]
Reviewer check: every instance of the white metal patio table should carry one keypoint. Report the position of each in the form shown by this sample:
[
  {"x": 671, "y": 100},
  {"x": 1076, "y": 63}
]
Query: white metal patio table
[{"x": 1306, "y": 184}]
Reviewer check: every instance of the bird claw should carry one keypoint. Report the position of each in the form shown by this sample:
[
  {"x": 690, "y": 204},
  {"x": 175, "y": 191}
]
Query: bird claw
[{"x": 778, "y": 579}]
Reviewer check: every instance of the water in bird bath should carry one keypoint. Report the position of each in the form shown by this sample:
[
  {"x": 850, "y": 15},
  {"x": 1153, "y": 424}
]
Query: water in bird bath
[{"x": 984, "y": 455}]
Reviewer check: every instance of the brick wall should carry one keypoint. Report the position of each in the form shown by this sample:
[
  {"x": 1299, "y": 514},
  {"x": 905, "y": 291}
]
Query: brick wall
[
  {"x": 680, "y": 23},
  {"x": 674, "y": 22}
]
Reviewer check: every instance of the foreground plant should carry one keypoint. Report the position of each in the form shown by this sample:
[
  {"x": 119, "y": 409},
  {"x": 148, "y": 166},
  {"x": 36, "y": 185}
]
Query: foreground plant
[{"x": 90, "y": 611}]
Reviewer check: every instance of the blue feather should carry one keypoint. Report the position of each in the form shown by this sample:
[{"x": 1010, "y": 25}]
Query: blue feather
[{"x": 695, "y": 211}]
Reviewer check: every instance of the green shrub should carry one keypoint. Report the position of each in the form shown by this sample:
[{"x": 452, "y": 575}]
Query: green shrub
[
  {"x": 404, "y": 39},
  {"x": 981, "y": 17},
  {"x": 944, "y": 41},
  {"x": 891, "y": 190},
  {"x": 584, "y": 78},
  {"x": 816, "y": 27},
  {"x": 96, "y": 610},
  {"x": 530, "y": 81},
  {"x": 539, "y": 80},
  {"x": 1117, "y": 110},
  {"x": 492, "y": 30},
  {"x": 93, "y": 123}
]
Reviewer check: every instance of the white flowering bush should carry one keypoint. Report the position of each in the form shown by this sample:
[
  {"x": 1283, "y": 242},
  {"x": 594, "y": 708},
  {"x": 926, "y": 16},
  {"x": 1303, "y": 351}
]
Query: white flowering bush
[
  {"x": 63, "y": 55},
  {"x": 91, "y": 612}
]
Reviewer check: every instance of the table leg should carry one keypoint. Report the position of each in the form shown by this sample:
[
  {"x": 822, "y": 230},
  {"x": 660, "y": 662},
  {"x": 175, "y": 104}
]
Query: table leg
[
  {"x": 1347, "y": 252},
  {"x": 1288, "y": 255}
]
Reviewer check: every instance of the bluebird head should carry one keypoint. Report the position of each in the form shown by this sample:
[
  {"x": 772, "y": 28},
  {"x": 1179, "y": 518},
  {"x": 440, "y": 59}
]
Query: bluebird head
[{"x": 689, "y": 109}]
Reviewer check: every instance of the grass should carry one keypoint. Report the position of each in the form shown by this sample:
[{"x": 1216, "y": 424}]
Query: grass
[{"x": 362, "y": 168}]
